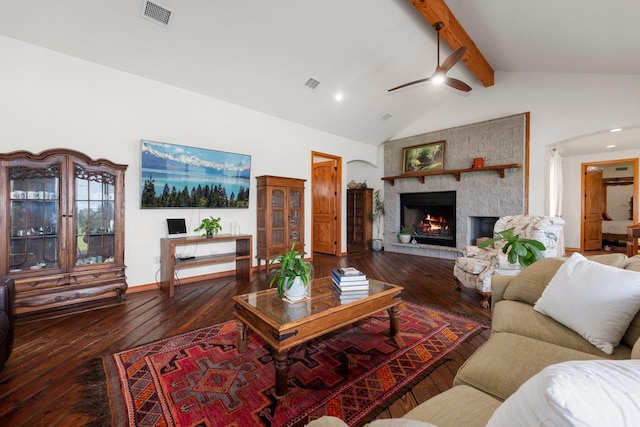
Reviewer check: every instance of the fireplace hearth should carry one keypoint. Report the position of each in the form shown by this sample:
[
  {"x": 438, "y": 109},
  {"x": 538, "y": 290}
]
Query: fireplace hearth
[{"x": 433, "y": 214}]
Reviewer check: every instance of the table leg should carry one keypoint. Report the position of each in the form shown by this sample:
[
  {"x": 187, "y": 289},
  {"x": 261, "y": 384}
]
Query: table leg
[
  {"x": 282, "y": 372},
  {"x": 393, "y": 320},
  {"x": 242, "y": 337}
]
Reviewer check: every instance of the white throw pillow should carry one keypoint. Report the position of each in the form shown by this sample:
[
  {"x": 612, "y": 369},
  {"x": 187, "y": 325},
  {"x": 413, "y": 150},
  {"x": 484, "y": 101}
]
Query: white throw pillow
[
  {"x": 595, "y": 300},
  {"x": 577, "y": 393}
]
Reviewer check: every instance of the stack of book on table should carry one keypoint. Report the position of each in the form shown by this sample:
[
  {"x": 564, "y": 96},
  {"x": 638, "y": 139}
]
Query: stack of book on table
[{"x": 352, "y": 283}]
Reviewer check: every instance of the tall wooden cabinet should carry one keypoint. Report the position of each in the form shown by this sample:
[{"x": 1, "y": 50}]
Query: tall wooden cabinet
[
  {"x": 62, "y": 220},
  {"x": 280, "y": 218},
  {"x": 359, "y": 206}
]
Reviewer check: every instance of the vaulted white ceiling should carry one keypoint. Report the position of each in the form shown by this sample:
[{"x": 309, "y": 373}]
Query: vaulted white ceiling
[{"x": 259, "y": 54}]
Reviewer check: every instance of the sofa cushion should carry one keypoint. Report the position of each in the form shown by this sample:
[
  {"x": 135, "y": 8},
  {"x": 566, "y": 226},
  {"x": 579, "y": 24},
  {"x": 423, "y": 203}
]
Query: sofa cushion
[
  {"x": 633, "y": 332},
  {"x": 506, "y": 361},
  {"x": 633, "y": 264},
  {"x": 459, "y": 406},
  {"x": 520, "y": 318},
  {"x": 612, "y": 260},
  {"x": 399, "y": 422},
  {"x": 532, "y": 281},
  {"x": 584, "y": 393},
  {"x": 595, "y": 300},
  {"x": 329, "y": 421}
]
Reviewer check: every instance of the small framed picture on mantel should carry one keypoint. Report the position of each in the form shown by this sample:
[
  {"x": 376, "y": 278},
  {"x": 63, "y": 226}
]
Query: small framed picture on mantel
[{"x": 423, "y": 158}]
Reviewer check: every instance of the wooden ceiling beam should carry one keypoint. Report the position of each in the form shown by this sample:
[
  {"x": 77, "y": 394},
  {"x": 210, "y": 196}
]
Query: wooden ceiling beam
[{"x": 454, "y": 35}]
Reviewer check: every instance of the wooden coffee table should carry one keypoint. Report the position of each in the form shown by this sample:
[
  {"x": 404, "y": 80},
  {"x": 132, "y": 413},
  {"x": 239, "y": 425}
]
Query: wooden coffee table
[{"x": 284, "y": 325}]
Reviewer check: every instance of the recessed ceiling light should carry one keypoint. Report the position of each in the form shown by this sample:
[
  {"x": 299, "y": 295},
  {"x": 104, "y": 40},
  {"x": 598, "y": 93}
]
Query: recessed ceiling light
[
  {"x": 610, "y": 146},
  {"x": 339, "y": 97},
  {"x": 615, "y": 130}
]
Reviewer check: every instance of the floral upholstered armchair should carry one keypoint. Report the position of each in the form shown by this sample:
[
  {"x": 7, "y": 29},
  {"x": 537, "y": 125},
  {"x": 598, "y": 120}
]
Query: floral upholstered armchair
[{"x": 476, "y": 266}]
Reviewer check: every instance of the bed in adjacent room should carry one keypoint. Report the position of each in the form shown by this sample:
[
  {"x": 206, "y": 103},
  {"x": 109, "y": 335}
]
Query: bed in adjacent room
[{"x": 615, "y": 230}]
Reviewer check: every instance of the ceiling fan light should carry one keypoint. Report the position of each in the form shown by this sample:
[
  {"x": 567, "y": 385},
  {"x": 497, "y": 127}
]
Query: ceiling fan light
[{"x": 438, "y": 79}]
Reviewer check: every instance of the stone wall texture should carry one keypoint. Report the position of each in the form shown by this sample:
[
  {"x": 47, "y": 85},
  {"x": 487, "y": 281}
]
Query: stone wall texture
[{"x": 501, "y": 141}]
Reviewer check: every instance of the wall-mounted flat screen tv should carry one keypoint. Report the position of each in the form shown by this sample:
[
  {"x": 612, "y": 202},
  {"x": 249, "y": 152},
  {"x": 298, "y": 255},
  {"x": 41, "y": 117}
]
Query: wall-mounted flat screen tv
[{"x": 177, "y": 176}]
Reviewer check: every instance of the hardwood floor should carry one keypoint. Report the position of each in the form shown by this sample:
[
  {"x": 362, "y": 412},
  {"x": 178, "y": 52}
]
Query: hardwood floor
[{"x": 39, "y": 387}]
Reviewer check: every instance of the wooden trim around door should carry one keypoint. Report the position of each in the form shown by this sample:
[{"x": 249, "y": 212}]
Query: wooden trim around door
[
  {"x": 583, "y": 168},
  {"x": 338, "y": 186}
]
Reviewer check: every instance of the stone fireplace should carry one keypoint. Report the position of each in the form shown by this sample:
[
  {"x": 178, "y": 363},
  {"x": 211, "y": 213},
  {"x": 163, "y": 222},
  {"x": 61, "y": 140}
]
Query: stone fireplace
[
  {"x": 433, "y": 214},
  {"x": 479, "y": 196}
]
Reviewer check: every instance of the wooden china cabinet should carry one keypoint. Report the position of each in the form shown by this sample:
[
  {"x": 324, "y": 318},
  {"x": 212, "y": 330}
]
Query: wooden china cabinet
[
  {"x": 280, "y": 215},
  {"x": 63, "y": 235},
  {"x": 359, "y": 227}
]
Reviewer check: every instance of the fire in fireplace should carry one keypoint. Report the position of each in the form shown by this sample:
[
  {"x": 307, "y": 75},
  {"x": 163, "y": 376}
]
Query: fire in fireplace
[{"x": 433, "y": 214}]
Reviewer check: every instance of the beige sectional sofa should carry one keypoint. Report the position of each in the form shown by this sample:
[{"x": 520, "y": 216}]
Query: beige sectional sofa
[{"x": 524, "y": 342}]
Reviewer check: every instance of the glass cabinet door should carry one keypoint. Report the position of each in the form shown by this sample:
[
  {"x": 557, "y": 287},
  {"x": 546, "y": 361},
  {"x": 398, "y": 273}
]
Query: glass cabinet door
[
  {"x": 34, "y": 208},
  {"x": 277, "y": 217},
  {"x": 295, "y": 215},
  {"x": 94, "y": 216}
]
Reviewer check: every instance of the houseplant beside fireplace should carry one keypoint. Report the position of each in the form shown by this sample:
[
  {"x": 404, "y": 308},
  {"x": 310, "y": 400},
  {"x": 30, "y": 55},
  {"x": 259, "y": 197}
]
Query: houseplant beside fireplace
[
  {"x": 375, "y": 216},
  {"x": 406, "y": 232}
]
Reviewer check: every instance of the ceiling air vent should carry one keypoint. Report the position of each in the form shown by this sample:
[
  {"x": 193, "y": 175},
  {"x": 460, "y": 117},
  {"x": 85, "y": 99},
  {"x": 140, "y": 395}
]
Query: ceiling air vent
[
  {"x": 156, "y": 13},
  {"x": 386, "y": 116},
  {"x": 312, "y": 83}
]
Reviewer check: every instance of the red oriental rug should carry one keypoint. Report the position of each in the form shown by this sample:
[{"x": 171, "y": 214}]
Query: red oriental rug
[{"x": 200, "y": 379}]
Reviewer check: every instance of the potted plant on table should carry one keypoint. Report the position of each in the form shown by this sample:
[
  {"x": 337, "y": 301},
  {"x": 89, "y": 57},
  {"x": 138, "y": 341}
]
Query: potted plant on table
[
  {"x": 210, "y": 225},
  {"x": 375, "y": 216},
  {"x": 406, "y": 232},
  {"x": 292, "y": 275},
  {"x": 523, "y": 251}
]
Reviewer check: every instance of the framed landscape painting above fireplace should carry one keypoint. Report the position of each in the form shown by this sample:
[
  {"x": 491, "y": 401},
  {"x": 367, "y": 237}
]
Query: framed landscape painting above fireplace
[{"x": 423, "y": 158}]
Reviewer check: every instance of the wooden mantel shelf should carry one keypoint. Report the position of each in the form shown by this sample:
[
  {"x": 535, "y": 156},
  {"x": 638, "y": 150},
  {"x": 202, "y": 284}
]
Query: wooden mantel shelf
[{"x": 455, "y": 172}]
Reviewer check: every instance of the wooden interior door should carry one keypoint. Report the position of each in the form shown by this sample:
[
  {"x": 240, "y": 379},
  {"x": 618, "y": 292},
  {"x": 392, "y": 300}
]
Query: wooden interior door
[
  {"x": 593, "y": 194},
  {"x": 324, "y": 192}
]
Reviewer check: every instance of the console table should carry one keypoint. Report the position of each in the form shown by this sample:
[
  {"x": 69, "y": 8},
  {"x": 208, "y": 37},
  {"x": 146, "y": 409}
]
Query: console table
[{"x": 242, "y": 257}]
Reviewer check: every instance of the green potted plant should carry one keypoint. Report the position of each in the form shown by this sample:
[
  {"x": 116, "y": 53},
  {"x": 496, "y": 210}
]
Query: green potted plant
[
  {"x": 523, "y": 251},
  {"x": 210, "y": 225},
  {"x": 375, "y": 216},
  {"x": 406, "y": 232},
  {"x": 292, "y": 274}
]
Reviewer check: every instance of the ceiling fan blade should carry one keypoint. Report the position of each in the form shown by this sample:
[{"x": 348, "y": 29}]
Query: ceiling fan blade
[
  {"x": 452, "y": 59},
  {"x": 457, "y": 84},
  {"x": 409, "y": 84}
]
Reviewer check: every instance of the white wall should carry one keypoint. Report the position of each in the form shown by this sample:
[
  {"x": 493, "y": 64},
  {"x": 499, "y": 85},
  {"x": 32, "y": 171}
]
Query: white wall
[{"x": 50, "y": 100}]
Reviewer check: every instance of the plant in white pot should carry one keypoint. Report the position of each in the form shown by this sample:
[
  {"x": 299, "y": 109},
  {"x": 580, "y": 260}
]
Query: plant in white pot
[
  {"x": 375, "y": 216},
  {"x": 406, "y": 233},
  {"x": 292, "y": 274}
]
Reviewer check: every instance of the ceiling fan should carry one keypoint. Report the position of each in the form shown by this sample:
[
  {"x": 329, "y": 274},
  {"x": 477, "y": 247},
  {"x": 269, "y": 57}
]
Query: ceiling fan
[{"x": 440, "y": 75}]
